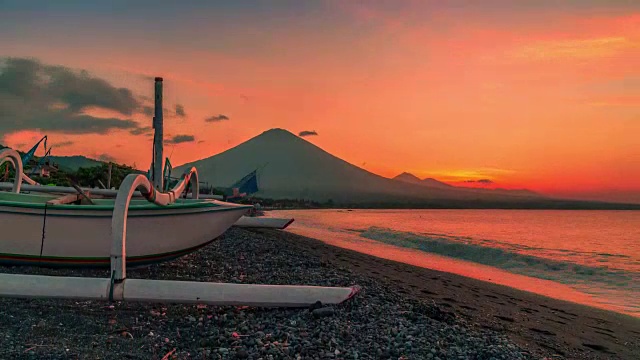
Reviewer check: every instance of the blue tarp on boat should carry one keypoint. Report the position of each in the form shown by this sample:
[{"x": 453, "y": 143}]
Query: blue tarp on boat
[{"x": 243, "y": 187}]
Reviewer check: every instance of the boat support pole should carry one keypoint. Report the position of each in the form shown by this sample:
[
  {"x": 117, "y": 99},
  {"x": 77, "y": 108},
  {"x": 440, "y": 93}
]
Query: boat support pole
[
  {"x": 197, "y": 292},
  {"x": 129, "y": 185},
  {"x": 158, "y": 137}
]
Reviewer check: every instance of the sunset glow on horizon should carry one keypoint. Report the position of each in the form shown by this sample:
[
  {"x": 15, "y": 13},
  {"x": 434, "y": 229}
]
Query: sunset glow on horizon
[{"x": 501, "y": 94}]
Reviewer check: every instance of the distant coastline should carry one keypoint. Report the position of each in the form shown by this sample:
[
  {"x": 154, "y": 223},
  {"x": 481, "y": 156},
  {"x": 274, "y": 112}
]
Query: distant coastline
[
  {"x": 301, "y": 204},
  {"x": 315, "y": 179}
]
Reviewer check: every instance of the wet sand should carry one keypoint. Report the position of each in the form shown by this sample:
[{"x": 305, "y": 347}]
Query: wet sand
[{"x": 540, "y": 324}]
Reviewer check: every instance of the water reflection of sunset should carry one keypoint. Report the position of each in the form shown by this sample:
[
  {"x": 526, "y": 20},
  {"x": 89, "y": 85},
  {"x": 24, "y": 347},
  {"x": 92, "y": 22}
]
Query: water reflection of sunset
[{"x": 335, "y": 227}]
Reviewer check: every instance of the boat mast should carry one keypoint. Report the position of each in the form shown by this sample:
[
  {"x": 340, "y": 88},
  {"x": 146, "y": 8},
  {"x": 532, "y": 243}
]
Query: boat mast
[
  {"x": 109, "y": 178},
  {"x": 158, "y": 137}
]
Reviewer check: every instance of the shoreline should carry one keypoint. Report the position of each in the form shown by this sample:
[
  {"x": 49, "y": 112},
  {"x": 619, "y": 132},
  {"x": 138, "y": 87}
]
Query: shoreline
[
  {"x": 532, "y": 320},
  {"x": 447, "y": 206},
  {"x": 467, "y": 269},
  {"x": 402, "y": 310}
]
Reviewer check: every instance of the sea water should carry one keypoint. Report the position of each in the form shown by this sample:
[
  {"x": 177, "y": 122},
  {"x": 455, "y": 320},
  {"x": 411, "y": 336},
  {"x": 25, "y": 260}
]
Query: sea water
[{"x": 590, "y": 257}]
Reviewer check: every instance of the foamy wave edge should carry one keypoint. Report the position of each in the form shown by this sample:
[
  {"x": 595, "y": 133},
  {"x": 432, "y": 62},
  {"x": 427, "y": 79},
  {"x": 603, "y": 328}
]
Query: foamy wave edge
[{"x": 523, "y": 264}]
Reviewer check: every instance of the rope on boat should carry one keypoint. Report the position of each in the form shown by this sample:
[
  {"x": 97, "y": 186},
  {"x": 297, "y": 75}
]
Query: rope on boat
[
  {"x": 111, "y": 283},
  {"x": 44, "y": 226}
]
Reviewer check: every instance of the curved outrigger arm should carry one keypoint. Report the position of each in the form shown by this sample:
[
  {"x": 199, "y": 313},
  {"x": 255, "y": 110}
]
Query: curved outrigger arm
[
  {"x": 11, "y": 156},
  {"x": 129, "y": 185}
]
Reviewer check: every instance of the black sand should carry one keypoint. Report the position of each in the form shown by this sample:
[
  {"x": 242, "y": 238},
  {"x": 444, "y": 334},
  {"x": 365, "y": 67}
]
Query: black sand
[{"x": 402, "y": 312}]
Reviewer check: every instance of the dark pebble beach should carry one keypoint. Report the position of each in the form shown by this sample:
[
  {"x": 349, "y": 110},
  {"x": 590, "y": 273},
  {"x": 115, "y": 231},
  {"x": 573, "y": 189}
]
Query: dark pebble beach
[{"x": 383, "y": 321}]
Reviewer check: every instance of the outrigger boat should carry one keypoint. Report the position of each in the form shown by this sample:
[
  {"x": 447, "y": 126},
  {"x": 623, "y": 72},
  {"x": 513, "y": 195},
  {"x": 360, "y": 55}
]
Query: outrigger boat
[
  {"x": 49, "y": 230},
  {"x": 244, "y": 187},
  {"x": 263, "y": 222},
  {"x": 162, "y": 226},
  {"x": 73, "y": 229}
]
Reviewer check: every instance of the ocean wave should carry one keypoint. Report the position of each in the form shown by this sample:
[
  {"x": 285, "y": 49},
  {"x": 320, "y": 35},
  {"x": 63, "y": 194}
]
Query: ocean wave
[{"x": 519, "y": 263}]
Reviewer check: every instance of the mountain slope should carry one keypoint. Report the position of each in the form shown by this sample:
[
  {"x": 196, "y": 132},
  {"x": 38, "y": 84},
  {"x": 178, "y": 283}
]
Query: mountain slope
[
  {"x": 290, "y": 167},
  {"x": 71, "y": 163}
]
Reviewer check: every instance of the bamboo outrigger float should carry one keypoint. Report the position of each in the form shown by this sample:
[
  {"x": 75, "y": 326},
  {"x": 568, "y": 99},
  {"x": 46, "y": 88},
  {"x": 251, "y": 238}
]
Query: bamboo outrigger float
[{"x": 156, "y": 202}]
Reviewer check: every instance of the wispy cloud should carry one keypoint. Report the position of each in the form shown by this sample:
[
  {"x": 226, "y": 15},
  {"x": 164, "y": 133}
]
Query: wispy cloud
[
  {"x": 64, "y": 143},
  {"x": 480, "y": 175},
  {"x": 216, "y": 118},
  {"x": 141, "y": 130},
  {"x": 180, "y": 110},
  {"x": 308, "y": 133},
  {"x": 575, "y": 48},
  {"x": 480, "y": 181},
  {"x": 615, "y": 101},
  {"x": 179, "y": 139}
]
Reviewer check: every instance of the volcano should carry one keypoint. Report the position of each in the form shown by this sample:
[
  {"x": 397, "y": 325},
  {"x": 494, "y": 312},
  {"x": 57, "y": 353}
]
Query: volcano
[{"x": 293, "y": 168}]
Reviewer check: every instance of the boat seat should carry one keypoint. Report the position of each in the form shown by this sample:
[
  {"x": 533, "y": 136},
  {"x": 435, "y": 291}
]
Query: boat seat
[{"x": 66, "y": 199}]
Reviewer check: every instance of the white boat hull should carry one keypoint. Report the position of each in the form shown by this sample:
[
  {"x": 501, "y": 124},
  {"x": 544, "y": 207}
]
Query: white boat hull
[
  {"x": 83, "y": 237},
  {"x": 263, "y": 222}
]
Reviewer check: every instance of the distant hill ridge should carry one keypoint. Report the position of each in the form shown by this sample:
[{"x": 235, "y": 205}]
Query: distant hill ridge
[
  {"x": 75, "y": 162},
  {"x": 410, "y": 178},
  {"x": 71, "y": 163},
  {"x": 290, "y": 167}
]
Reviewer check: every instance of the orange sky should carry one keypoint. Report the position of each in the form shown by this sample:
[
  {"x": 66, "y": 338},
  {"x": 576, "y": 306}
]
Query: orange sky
[{"x": 531, "y": 95}]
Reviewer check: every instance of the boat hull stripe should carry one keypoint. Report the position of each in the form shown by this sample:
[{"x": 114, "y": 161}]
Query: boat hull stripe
[{"x": 55, "y": 261}]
